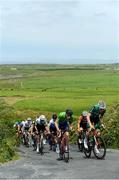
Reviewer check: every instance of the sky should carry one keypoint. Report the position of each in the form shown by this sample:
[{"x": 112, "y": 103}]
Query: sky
[{"x": 59, "y": 31}]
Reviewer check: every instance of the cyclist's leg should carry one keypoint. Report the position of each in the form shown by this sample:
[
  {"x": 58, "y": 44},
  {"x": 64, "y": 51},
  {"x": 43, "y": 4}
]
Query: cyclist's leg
[
  {"x": 59, "y": 145},
  {"x": 34, "y": 139},
  {"x": 85, "y": 134},
  {"x": 38, "y": 138},
  {"x": 50, "y": 141}
]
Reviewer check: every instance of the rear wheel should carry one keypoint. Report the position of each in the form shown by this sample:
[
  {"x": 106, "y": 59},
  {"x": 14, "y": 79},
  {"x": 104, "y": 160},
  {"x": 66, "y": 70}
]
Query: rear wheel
[{"x": 100, "y": 149}]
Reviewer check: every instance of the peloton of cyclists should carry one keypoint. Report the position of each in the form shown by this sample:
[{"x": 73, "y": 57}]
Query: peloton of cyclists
[{"x": 62, "y": 123}]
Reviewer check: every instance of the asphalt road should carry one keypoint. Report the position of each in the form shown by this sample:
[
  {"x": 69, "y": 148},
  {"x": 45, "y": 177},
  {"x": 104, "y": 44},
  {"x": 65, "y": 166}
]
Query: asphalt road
[{"x": 35, "y": 166}]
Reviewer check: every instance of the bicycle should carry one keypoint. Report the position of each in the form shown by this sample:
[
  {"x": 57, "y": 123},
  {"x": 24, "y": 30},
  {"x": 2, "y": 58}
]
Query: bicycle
[
  {"x": 34, "y": 141},
  {"x": 80, "y": 141},
  {"x": 64, "y": 146},
  {"x": 41, "y": 146},
  {"x": 26, "y": 138},
  {"x": 53, "y": 140},
  {"x": 94, "y": 141}
]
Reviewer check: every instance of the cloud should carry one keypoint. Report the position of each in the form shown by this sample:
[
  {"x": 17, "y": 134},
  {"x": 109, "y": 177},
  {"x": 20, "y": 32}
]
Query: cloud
[
  {"x": 36, "y": 12},
  {"x": 66, "y": 23}
]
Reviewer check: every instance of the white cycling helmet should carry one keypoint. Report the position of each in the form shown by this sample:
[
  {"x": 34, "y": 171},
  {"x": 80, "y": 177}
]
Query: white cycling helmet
[
  {"x": 102, "y": 104},
  {"x": 84, "y": 113},
  {"x": 42, "y": 117},
  {"x": 29, "y": 119}
]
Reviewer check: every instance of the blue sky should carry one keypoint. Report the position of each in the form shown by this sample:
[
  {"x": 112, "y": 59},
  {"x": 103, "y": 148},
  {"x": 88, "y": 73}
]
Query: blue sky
[{"x": 59, "y": 31}]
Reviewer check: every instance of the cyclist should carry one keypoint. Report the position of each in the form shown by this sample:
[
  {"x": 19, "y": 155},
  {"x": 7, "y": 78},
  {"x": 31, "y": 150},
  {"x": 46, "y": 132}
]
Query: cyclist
[
  {"x": 33, "y": 131},
  {"x": 41, "y": 125},
  {"x": 65, "y": 120},
  {"x": 25, "y": 130},
  {"x": 26, "y": 124},
  {"x": 84, "y": 124},
  {"x": 18, "y": 126},
  {"x": 96, "y": 114},
  {"x": 53, "y": 127}
]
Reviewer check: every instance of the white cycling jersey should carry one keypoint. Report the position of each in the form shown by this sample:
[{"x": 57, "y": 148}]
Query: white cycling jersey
[
  {"x": 26, "y": 124},
  {"x": 51, "y": 122}
]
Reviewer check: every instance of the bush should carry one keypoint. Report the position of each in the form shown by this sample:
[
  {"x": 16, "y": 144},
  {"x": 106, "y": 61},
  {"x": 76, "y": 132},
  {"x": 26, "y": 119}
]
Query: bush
[
  {"x": 7, "y": 133},
  {"x": 111, "y": 133}
]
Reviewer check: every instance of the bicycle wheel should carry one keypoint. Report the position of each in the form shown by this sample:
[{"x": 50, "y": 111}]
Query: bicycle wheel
[
  {"x": 41, "y": 144},
  {"x": 66, "y": 149},
  {"x": 66, "y": 154},
  {"x": 101, "y": 148},
  {"x": 34, "y": 144},
  {"x": 87, "y": 152},
  {"x": 26, "y": 139},
  {"x": 80, "y": 145}
]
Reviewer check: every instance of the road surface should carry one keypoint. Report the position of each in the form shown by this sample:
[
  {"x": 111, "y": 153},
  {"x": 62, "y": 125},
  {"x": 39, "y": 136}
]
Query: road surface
[{"x": 35, "y": 166}]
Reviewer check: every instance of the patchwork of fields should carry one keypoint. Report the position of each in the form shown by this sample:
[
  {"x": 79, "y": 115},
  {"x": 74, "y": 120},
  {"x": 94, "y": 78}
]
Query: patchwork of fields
[{"x": 53, "y": 88}]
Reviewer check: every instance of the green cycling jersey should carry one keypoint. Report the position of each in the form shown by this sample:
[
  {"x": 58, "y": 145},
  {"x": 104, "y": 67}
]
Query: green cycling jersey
[
  {"x": 62, "y": 117},
  {"x": 96, "y": 114}
]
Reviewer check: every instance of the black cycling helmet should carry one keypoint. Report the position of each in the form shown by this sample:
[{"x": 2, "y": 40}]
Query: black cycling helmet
[
  {"x": 54, "y": 116},
  {"x": 69, "y": 112}
]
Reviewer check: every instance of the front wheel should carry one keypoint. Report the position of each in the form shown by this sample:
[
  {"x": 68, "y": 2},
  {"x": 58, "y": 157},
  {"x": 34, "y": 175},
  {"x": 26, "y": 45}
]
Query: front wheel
[
  {"x": 87, "y": 152},
  {"x": 41, "y": 145},
  {"x": 66, "y": 155},
  {"x": 80, "y": 145},
  {"x": 100, "y": 148},
  {"x": 65, "y": 148}
]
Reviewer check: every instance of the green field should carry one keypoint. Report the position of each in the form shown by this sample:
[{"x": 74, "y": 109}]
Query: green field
[{"x": 53, "y": 88}]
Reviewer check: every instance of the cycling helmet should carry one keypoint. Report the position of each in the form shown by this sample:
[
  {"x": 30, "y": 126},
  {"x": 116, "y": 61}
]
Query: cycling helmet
[
  {"x": 54, "y": 116},
  {"x": 84, "y": 113},
  {"x": 42, "y": 117},
  {"x": 29, "y": 119},
  {"x": 69, "y": 112},
  {"x": 102, "y": 104},
  {"x": 16, "y": 124}
]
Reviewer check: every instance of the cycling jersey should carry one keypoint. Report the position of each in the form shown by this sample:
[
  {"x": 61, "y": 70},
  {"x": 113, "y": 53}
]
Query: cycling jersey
[
  {"x": 63, "y": 122},
  {"x": 84, "y": 122},
  {"x": 96, "y": 114},
  {"x": 25, "y": 125},
  {"x": 40, "y": 124},
  {"x": 52, "y": 126}
]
